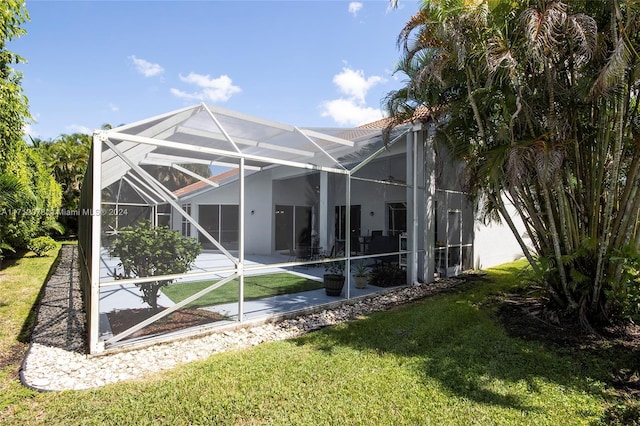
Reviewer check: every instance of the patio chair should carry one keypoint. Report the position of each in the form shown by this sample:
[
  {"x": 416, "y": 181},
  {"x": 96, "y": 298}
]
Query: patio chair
[
  {"x": 382, "y": 244},
  {"x": 303, "y": 253}
]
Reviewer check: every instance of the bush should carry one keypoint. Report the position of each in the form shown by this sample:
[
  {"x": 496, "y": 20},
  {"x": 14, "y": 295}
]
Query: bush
[
  {"x": 387, "y": 275},
  {"x": 626, "y": 296},
  {"x": 41, "y": 245},
  {"x": 334, "y": 268},
  {"x": 145, "y": 251}
]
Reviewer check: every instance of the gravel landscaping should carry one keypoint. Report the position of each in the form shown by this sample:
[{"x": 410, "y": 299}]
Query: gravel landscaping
[{"x": 57, "y": 358}]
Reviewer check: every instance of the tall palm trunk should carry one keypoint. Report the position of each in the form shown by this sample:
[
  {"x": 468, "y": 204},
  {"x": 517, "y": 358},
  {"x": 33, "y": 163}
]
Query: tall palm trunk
[{"x": 614, "y": 180}]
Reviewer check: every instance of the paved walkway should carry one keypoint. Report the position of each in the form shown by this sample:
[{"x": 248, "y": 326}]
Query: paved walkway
[{"x": 61, "y": 320}]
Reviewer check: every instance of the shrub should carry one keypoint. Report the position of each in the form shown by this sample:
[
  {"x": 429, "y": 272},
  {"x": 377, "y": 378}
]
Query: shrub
[
  {"x": 334, "y": 268},
  {"x": 626, "y": 296},
  {"x": 145, "y": 251},
  {"x": 360, "y": 269},
  {"x": 41, "y": 245},
  {"x": 387, "y": 275}
]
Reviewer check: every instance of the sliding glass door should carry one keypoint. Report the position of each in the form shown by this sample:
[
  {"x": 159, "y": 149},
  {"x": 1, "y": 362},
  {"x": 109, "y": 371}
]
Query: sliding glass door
[
  {"x": 221, "y": 221},
  {"x": 293, "y": 227}
]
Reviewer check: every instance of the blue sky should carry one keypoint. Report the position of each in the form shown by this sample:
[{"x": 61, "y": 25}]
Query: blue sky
[{"x": 305, "y": 63}]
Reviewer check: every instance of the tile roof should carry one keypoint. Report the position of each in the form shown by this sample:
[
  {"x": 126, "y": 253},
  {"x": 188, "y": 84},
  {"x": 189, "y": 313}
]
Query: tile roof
[
  {"x": 196, "y": 186},
  {"x": 422, "y": 114}
]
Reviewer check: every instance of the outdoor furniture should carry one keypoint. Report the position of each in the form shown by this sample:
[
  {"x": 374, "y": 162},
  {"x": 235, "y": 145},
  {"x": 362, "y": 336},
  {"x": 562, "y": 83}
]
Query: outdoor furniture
[
  {"x": 364, "y": 243},
  {"x": 383, "y": 244}
]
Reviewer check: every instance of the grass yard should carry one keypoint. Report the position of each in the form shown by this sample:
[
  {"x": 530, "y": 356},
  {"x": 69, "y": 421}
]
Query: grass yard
[
  {"x": 255, "y": 287},
  {"x": 20, "y": 283},
  {"x": 443, "y": 360}
]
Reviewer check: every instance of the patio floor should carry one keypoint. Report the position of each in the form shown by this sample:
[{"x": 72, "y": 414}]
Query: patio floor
[{"x": 122, "y": 297}]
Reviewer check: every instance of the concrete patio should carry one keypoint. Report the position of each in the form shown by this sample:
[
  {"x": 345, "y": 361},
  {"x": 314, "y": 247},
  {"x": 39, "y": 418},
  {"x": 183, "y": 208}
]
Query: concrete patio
[{"x": 124, "y": 297}]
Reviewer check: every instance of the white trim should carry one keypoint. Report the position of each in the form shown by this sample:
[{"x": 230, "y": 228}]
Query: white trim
[
  {"x": 321, "y": 149},
  {"x": 172, "y": 116},
  {"x": 241, "y": 235},
  {"x": 96, "y": 231},
  {"x": 243, "y": 141},
  {"x": 213, "y": 135},
  {"x": 194, "y": 175},
  {"x": 149, "y": 198},
  {"x": 253, "y": 119},
  {"x": 377, "y": 153},
  {"x": 313, "y": 134},
  {"x": 191, "y": 148},
  {"x": 222, "y": 129},
  {"x": 166, "y": 159}
]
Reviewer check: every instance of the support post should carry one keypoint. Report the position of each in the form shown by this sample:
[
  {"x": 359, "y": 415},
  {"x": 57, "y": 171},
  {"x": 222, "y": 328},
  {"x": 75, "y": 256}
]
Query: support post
[
  {"x": 347, "y": 237},
  {"x": 241, "y": 233},
  {"x": 96, "y": 219},
  {"x": 324, "y": 211},
  {"x": 429, "y": 208},
  {"x": 412, "y": 244}
]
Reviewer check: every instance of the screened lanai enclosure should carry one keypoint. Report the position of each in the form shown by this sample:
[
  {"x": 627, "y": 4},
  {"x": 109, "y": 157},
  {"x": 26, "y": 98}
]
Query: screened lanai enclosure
[{"x": 204, "y": 217}]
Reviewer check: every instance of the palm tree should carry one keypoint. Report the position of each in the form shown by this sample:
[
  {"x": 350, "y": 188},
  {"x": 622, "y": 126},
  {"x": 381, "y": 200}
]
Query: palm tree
[
  {"x": 538, "y": 98},
  {"x": 67, "y": 157},
  {"x": 14, "y": 195}
]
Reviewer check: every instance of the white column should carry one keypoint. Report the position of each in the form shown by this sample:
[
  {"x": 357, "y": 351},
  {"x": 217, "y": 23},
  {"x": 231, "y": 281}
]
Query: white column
[
  {"x": 412, "y": 243},
  {"x": 324, "y": 211},
  {"x": 347, "y": 237},
  {"x": 96, "y": 232},
  {"x": 429, "y": 206},
  {"x": 240, "y": 266}
]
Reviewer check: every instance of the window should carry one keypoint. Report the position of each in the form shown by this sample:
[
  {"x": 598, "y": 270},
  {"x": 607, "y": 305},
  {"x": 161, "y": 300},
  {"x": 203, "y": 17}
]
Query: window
[
  {"x": 186, "y": 226},
  {"x": 397, "y": 214},
  {"x": 229, "y": 225},
  {"x": 163, "y": 213},
  {"x": 221, "y": 221},
  {"x": 340, "y": 228},
  {"x": 341, "y": 221}
]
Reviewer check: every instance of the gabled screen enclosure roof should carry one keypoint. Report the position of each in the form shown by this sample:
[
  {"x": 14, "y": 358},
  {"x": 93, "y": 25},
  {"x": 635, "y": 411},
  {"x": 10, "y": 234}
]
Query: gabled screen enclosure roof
[{"x": 207, "y": 134}]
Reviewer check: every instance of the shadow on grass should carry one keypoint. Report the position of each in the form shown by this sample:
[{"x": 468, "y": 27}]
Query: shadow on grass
[
  {"x": 29, "y": 322},
  {"x": 8, "y": 262},
  {"x": 453, "y": 340}
]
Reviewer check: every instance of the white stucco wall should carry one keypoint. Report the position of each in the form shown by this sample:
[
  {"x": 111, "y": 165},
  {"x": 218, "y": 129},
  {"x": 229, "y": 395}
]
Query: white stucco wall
[
  {"x": 258, "y": 226},
  {"x": 495, "y": 244}
]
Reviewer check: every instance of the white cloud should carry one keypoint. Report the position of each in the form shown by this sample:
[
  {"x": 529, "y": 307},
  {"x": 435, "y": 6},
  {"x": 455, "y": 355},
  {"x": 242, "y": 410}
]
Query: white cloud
[
  {"x": 352, "y": 110},
  {"x": 212, "y": 89},
  {"x": 354, "y": 84},
  {"x": 346, "y": 112},
  {"x": 354, "y": 7},
  {"x": 113, "y": 107},
  {"x": 29, "y": 131},
  {"x": 77, "y": 128},
  {"x": 146, "y": 68}
]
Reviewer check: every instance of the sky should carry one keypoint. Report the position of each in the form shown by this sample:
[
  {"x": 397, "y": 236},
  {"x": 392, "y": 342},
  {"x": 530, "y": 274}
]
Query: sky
[{"x": 322, "y": 63}]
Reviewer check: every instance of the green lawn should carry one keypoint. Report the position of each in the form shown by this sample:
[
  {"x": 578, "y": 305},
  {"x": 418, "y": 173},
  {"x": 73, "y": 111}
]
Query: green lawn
[
  {"x": 255, "y": 287},
  {"x": 442, "y": 361},
  {"x": 20, "y": 283}
]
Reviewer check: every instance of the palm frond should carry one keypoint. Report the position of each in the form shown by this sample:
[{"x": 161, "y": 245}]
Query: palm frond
[
  {"x": 613, "y": 71},
  {"x": 499, "y": 55},
  {"x": 13, "y": 192},
  {"x": 583, "y": 30}
]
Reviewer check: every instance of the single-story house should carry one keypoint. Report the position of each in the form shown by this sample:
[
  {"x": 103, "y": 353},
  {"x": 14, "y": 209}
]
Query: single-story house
[{"x": 288, "y": 196}]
